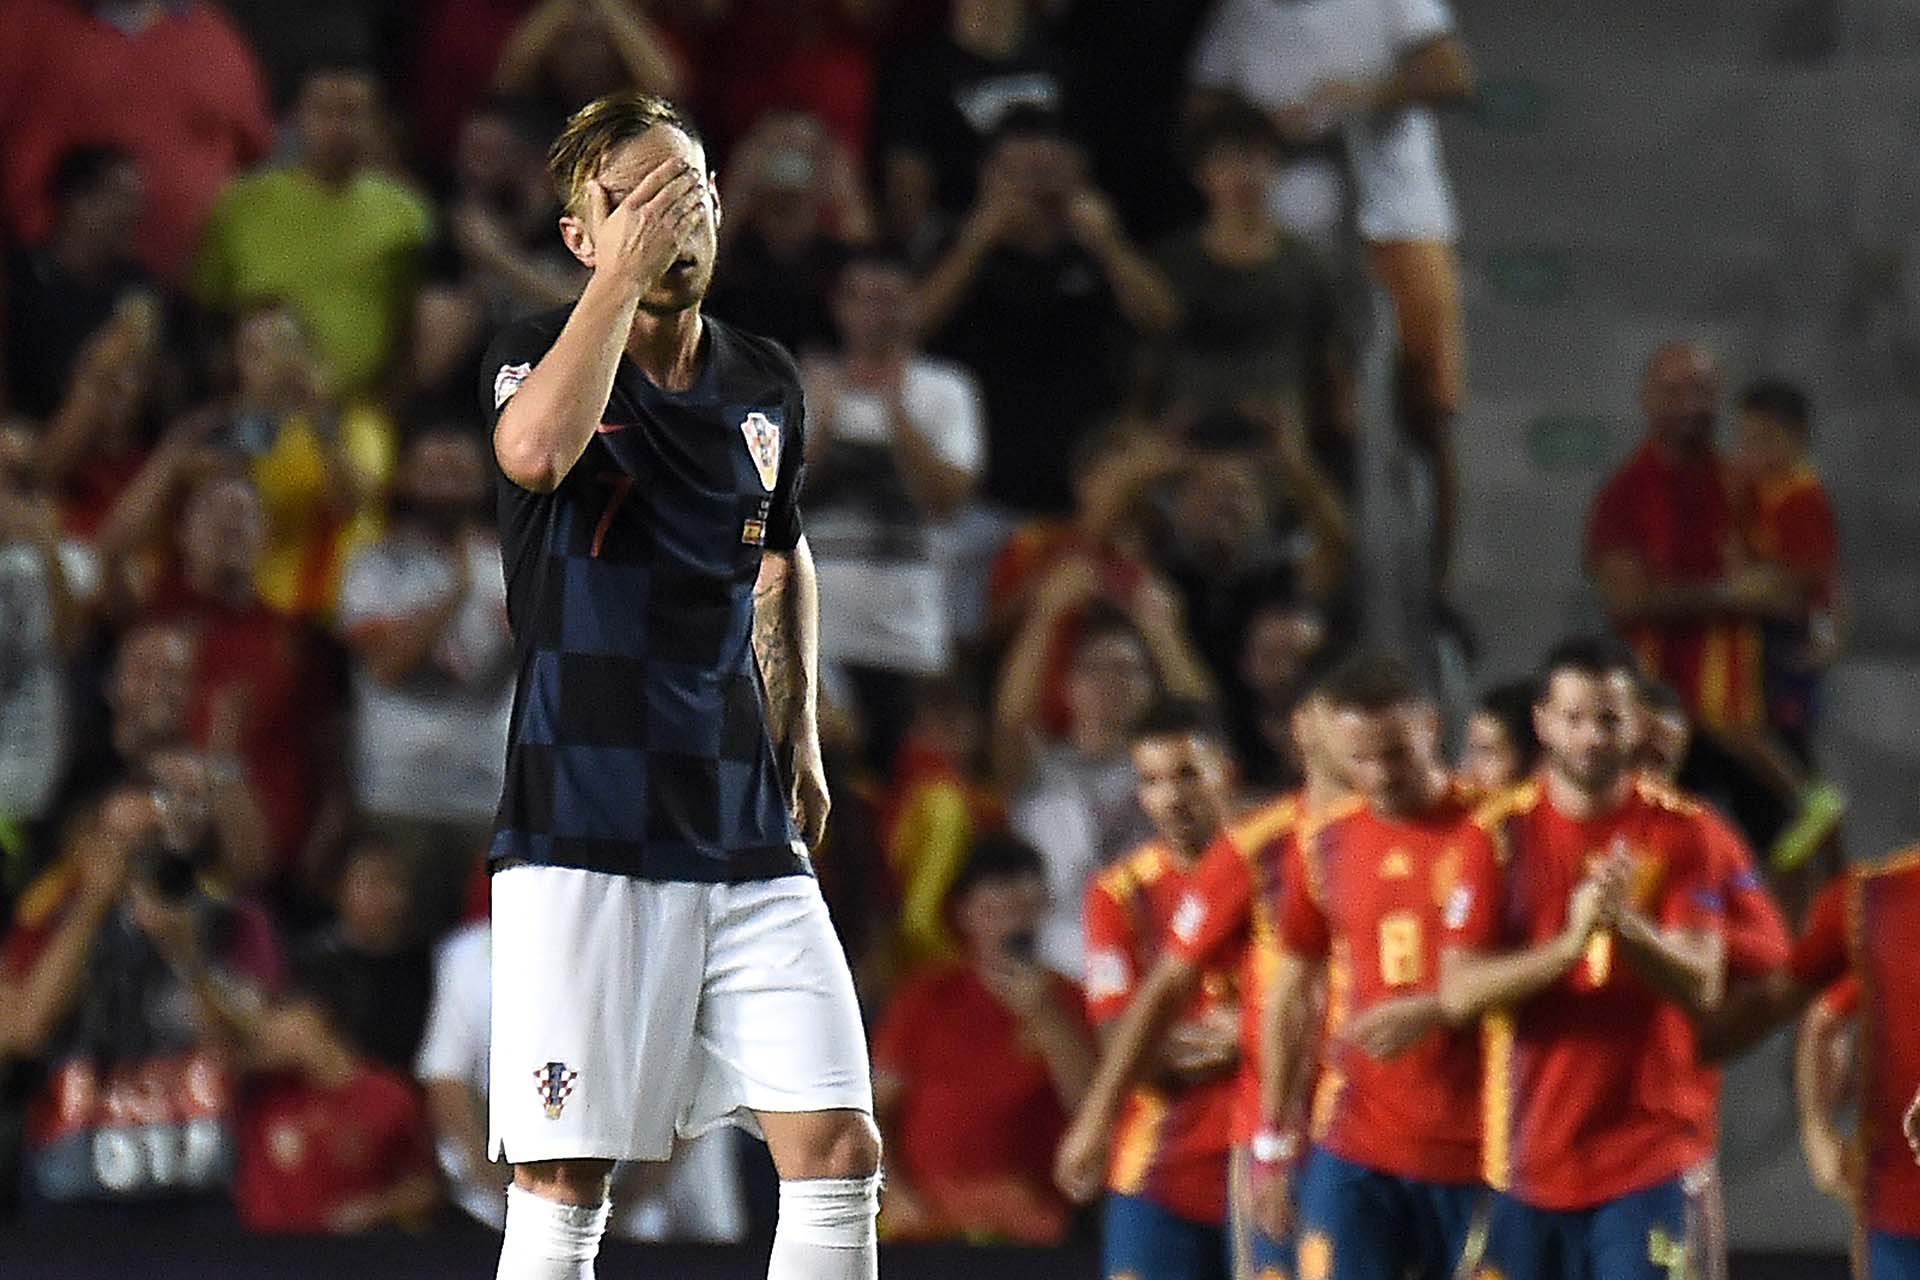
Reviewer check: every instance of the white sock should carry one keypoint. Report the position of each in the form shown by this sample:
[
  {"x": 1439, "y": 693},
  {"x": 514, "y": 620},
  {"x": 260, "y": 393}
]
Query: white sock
[
  {"x": 826, "y": 1230},
  {"x": 547, "y": 1240}
]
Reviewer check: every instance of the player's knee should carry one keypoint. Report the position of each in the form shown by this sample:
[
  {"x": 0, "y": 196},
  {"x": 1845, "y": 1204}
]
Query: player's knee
[
  {"x": 576, "y": 1182},
  {"x": 846, "y": 1144}
]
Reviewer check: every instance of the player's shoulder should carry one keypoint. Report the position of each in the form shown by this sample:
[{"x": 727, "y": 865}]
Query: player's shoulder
[
  {"x": 1901, "y": 862},
  {"x": 1495, "y": 811},
  {"x": 1667, "y": 800},
  {"x": 529, "y": 335},
  {"x": 1269, "y": 822},
  {"x": 1134, "y": 870},
  {"x": 747, "y": 355}
]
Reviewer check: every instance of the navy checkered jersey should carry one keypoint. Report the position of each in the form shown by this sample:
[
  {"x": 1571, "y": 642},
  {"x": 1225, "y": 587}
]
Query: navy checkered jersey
[{"x": 639, "y": 741}]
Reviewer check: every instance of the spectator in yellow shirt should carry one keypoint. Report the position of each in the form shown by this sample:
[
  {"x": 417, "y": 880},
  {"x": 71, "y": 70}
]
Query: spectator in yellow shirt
[{"x": 341, "y": 242}]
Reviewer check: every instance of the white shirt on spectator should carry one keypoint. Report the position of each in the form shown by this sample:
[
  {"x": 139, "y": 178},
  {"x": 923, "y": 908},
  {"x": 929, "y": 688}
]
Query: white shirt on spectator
[
  {"x": 33, "y": 701},
  {"x": 1079, "y": 814},
  {"x": 697, "y": 1197},
  {"x": 1277, "y": 52},
  {"x": 433, "y": 746},
  {"x": 883, "y": 593}
]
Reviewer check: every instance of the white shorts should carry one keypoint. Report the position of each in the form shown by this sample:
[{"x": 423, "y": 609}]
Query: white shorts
[{"x": 626, "y": 1012}]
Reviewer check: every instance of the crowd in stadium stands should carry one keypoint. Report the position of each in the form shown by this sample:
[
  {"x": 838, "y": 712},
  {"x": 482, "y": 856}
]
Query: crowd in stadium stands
[{"x": 1067, "y": 284}]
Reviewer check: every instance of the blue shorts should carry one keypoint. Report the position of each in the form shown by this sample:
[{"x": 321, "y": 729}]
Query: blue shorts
[
  {"x": 1892, "y": 1257},
  {"x": 1141, "y": 1240},
  {"x": 1357, "y": 1223},
  {"x": 1640, "y": 1236}
]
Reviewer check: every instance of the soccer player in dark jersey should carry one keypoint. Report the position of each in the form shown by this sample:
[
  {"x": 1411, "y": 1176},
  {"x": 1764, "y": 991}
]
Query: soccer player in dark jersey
[
  {"x": 1585, "y": 922},
  {"x": 662, "y": 958},
  {"x": 1225, "y": 920},
  {"x": 1167, "y": 1176},
  {"x": 1390, "y": 1187}
]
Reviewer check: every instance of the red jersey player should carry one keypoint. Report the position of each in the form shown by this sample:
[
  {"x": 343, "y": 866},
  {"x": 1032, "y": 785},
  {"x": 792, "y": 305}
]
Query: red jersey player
[
  {"x": 1757, "y": 945},
  {"x": 1867, "y": 923},
  {"x": 1226, "y": 919},
  {"x": 1167, "y": 1176},
  {"x": 1584, "y": 922},
  {"x": 1391, "y": 1186}
]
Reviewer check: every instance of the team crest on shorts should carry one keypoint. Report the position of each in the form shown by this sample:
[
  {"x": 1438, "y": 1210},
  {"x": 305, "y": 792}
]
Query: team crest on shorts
[
  {"x": 555, "y": 1082},
  {"x": 1316, "y": 1256},
  {"x": 508, "y": 381},
  {"x": 763, "y": 446}
]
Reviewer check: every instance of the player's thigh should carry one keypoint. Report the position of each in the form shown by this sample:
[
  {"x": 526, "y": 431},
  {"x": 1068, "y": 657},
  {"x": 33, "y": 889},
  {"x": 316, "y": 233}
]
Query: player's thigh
[
  {"x": 779, "y": 1030},
  {"x": 1642, "y": 1235},
  {"x": 1353, "y": 1223},
  {"x": 1892, "y": 1257},
  {"x": 595, "y": 993},
  {"x": 1252, "y": 1253},
  {"x": 1141, "y": 1240},
  {"x": 1525, "y": 1243}
]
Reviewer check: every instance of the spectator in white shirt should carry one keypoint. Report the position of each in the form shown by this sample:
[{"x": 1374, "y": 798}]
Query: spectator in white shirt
[
  {"x": 1362, "y": 76},
  {"x": 896, "y": 447},
  {"x": 694, "y": 1196},
  {"x": 424, "y": 611},
  {"x": 39, "y": 622}
]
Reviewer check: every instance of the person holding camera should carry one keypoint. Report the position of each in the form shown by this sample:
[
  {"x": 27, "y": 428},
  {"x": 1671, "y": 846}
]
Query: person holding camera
[
  {"x": 977, "y": 1065},
  {"x": 796, "y": 207},
  {"x": 134, "y": 1106}
]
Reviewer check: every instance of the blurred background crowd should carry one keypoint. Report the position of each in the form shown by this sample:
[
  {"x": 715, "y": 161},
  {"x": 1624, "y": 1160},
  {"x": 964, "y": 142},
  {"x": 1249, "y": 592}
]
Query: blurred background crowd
[{"x": 1086, "y": 296}]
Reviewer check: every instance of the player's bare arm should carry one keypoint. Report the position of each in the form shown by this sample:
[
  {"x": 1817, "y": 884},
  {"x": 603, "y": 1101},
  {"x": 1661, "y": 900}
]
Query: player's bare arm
[
  {"x": 629, "y": 240},
  {"x": 786, "y": 639},
  {"x": 1080, "y": 1166},
  {"x": 1749, "y": 1015},
  {"x": 1473, "y": 982},
  {"x": 1819, "y": 1077},
  {"x": 1284, "y": 1079},
  {"x": 1688, "y": 965},
  {"x": 1392, "y": 1027}
]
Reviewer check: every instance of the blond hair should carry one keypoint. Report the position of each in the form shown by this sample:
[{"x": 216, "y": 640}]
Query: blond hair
[{"x": 592, "y": 133}]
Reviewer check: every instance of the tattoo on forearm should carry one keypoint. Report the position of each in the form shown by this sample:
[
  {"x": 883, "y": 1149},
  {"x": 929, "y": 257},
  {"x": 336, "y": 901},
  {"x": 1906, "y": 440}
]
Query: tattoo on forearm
[{"x": 773, "y": 645}]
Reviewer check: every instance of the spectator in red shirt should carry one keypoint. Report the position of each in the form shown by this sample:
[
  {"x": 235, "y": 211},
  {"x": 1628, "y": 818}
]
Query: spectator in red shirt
[
  {"x": 173, "y": 84},
  {"x": 267, "y": 688},
  {"x": 329, "y": 1141},
  {"x": 1786, "y": 525},
  {"x": 976, "y": 1066},
  {"x": 807, "y": 56},
  {"x": 458, "y": 50},
  {"x": 1664, "y": 550}
]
